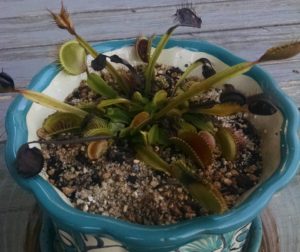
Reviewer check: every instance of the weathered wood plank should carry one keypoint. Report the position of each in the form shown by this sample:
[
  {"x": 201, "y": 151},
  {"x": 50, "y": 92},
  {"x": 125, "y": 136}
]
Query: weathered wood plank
[
  {"x": 4, "y": 103},
  {"x": 34, "y": 7},
  {"x": 23, "y": 63},
  {"x": 285, "y": 209},
  {"x": 16, "y": 204},
  {"x": 28, "y": 31}
]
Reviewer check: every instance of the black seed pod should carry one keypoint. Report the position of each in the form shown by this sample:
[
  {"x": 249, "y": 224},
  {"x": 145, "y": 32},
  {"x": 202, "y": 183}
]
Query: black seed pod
[
  {"x": 187, "y": 17},
  {"x": 99, "y": 62},
  {"x": 261, "y": 105},
  {"x": 207, "y": 68},
  {"x": 233, "y": 96},
  {"x": 30, "y": 161},
  {"x": 117, "y": 59},
  {"x": 6, "y": 83}
]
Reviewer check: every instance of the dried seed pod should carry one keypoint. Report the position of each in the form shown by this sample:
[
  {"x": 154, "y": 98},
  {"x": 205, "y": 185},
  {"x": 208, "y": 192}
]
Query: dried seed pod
[
  {"x": 96, "y": 149},
  {"x": 261, "y": 105},
  {"x": 186, "y": 16},
  {"x": 208, "y": 71},
  {"x": 280, "y": 52},
  {"x": 30, "y": 161},
  {"x": 99, "y": 63},
  {"x": 141, "y": 48},
  {"x": 228, "y": 143},
  {"x": 233, "y": 96},
  {"x": 63, "y": 20},
  {"x": 6, "y": 83}
]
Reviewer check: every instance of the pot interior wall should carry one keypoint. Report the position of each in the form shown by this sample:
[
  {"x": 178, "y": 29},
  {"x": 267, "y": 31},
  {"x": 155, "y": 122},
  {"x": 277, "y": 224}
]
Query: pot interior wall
[{"x": 268, "y": 127}]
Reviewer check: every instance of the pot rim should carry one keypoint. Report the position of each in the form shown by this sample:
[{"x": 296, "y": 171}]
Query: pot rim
[{"x": 184, "y": 231}]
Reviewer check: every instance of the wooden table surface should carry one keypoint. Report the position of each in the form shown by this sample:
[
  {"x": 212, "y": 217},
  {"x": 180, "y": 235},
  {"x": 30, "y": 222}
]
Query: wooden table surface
[{"x": 28, "y": 41}]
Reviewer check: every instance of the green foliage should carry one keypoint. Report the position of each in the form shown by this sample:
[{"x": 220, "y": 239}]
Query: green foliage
[
  {"x": 72, "y": 58},
  {"x": 97, "y": 84},
  {"x": 60, "y": 122}
]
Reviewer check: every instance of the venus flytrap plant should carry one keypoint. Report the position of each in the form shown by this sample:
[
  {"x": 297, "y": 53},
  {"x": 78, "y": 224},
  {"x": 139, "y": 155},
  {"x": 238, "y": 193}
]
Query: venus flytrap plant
[{"x": 146, "y": 118}]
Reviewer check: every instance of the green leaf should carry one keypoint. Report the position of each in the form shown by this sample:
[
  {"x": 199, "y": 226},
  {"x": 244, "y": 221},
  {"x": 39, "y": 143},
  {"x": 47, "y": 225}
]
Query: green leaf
[
  {"x": 198, "y": 87},
  {"x": 204, "y": 193},
  {"x": 90, "y": 108},
  {"x": 224, "y": 109},
  {"x": 157, "y": 135},
  {"x": 109, "y": 102},
  {"x": 227, "y": 141},
  {"x": 96, "y": 122},
  {"x": 98, "y": 132},
  {"x": 187, "y": 149},
  {"x": 97, "y": 84},
  {"x": 97, "y": 127},
  {"x": 52, "y": 103},
  {"x": 137, "y": 97},
  {"x": 177, "y": 113},
  {"x": 150, "y": 68},
  {"x": 147, "y": 155},
  {"x": 72, "y": 57},
  {"x": 60, "y": 122},
  {"x": 115, "y": 128},
  {"x": 187, "y": 71},
  {"x": 199, "y": 122},
  {"x": 144, "y": 135},
  {"x": 118, "y": 115},
  {"x": 185, "y": 127},
  {"x": 159, "y": 98}
]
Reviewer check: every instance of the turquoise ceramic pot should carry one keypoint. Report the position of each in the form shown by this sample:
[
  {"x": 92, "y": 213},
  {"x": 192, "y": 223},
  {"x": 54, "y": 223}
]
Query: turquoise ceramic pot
[{"x": 80, "y": 231}]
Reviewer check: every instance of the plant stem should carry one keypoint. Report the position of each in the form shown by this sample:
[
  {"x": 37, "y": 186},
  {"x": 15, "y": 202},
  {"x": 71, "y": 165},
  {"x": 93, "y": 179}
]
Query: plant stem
[
  {"x": 150, "y": 68},
  {"x": 198, "y": 87},
  {"x": 186, "y": 73},
  {"x": 50, "y": 102},
  {"x": 109, "y": 66},
  {"x": 70, "y": 141}
]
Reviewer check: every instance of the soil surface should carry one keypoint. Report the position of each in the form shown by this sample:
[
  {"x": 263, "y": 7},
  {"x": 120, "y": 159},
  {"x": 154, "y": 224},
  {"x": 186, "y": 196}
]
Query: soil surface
[{"x": 121, "y": 186}]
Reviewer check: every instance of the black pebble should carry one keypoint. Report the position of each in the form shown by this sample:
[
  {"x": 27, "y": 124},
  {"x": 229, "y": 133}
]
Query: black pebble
[
  {"x": 244, "y": 181},
  {"x": 131, "y": 179}
]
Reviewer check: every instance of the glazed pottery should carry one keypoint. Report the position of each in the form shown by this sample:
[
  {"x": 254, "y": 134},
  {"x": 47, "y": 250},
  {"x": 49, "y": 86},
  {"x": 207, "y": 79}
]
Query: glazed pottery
[{"x": 76, "y": 230}]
